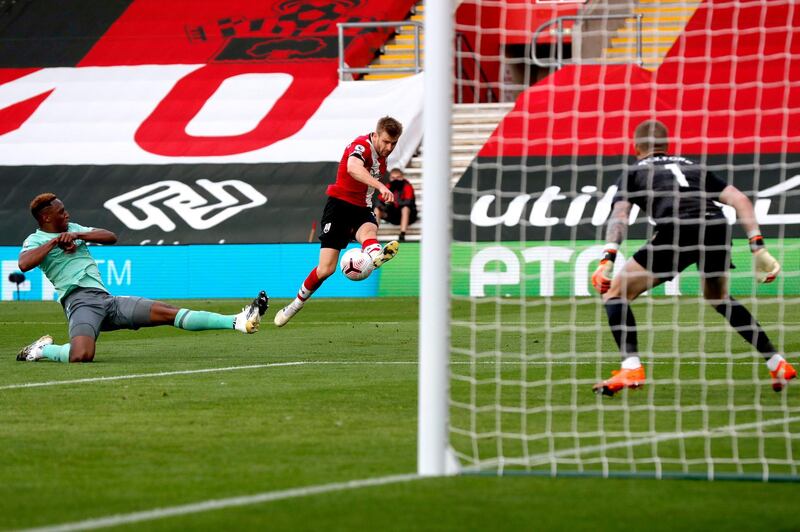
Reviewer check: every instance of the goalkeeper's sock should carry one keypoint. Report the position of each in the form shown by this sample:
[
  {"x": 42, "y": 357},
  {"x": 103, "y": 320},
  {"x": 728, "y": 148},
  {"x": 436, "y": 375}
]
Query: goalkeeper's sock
[
  {"x": 56, "y": 353},
  {"x": 774, "y": 361},
  {"x": 199, "y": 320},
  {"x": 631, "y": 362},
  {"x": 371, "y": 247},
  {"x": 624, "y": 333},
  {"x": 746, "y": 325}
]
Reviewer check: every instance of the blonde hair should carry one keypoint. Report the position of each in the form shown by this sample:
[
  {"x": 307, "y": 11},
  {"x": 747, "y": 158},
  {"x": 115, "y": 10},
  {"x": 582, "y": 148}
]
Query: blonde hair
[{"x": 651, "y": 136}]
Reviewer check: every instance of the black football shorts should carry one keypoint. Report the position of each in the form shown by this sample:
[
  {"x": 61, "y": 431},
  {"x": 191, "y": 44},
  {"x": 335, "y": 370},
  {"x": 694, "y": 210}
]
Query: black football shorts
[
  {"x": 341, "y": 220},
  {"x": 674, "y": 248}
]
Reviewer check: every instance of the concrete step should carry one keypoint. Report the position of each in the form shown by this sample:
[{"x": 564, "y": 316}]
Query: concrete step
[
  {"x": 646, "y": 50},
  {"x": 399, "y": 58},
  {"x": 472, "y": 107},
  {"x": 414, "y": 175},
  {"x": 408, "y": 30},
  {"x": 457, "y": 161},
  {"x": 656, "y": 39},
  {"x": 673, "y": 10},
  {"x": 381, "y": 66},
  {"x": 474, "y": 128},
  {"x": 476, "y": 118},
  {"x": 403, "y": 48},
  {"x": 407, "y": 38},
  {"x": 660, "y": 20},
  {"x": 653, "y": 30}
]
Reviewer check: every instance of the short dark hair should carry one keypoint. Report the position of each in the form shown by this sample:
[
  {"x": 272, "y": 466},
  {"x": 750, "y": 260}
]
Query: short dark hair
[
  {"x": 391, "y": 126},
  {"x": 41, "y": 202},
  {"x": 651, "y": 136},
  {"x": 397, "y": 169}
]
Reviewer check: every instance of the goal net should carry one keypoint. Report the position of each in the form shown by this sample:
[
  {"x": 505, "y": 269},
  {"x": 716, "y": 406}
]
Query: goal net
[{"x": 529, "y": 335}]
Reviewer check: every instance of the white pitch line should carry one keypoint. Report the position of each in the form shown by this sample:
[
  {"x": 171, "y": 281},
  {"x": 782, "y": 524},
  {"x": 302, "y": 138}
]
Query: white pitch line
[
  {"x": 712, "y": 433},
  {"x": 146, "y": 375},
  {"x": 564, "y": 362},
  {"x": 218, "y": 504}
]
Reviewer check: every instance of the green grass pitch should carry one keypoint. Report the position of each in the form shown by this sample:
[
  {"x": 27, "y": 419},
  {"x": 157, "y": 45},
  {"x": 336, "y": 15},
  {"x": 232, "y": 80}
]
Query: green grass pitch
[{"x": 332, "y": 397}]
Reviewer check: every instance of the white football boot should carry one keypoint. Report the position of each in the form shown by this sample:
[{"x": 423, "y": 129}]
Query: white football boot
[
  {"x": 248, "y": 320},
  {"x": 283, "y": 316},
  {"x": 33, "y": 352}
]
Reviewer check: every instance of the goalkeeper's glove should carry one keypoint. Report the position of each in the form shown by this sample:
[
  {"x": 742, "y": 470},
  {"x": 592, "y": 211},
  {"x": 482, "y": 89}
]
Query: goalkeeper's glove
[
  {"x": 601, "y": 278},
  {"x": 766, "y": 267}
]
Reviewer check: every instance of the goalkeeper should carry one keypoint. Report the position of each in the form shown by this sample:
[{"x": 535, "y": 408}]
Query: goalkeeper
[{"x": 679, "y": 196}]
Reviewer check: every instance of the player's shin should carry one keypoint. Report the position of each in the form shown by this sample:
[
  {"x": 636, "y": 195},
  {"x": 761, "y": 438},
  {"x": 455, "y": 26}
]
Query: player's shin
[
  {"x": 746, "y": 325},
  {"x": 307, "y": 289},
  {"x": 623, "y": 328},
  {"x": 56, "y": 353},
  {"x": 198, "y": 320}
]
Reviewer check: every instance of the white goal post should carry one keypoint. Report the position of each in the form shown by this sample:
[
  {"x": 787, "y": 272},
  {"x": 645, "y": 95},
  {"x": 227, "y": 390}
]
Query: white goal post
[{"x": 434, "y": 317}]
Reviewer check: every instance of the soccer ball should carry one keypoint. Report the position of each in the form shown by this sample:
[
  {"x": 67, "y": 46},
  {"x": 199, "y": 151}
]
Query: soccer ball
[{"x": 356, "y": 265}]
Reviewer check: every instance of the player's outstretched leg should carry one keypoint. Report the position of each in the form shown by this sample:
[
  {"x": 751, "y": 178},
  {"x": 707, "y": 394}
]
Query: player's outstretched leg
[
  {"x": 314, "y": 280},
  {"x": 748, "y": 328},
  {"x": 248, "y": 320},
  {"x": 387, "y": 253},
  {"x": 33, "y": 352}
]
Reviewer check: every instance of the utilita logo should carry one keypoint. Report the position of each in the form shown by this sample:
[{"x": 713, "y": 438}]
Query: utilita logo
[
  {"x": 539, "y": 216},
  {"x": 143, "y": 207}
]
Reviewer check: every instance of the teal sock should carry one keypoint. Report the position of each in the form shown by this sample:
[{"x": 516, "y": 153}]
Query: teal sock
[
  {"x": 198, "y": 320},
  {"x": 56, "y": 353}
]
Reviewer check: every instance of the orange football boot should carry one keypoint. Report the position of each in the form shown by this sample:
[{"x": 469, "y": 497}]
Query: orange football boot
[
  {"x": 782, "y": 375},
  {"x": 622, "y": 378}
]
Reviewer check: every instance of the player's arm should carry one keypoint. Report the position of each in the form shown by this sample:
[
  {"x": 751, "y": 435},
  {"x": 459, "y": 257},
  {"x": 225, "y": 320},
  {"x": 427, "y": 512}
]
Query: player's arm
[
  {"x": 96, "y": 236},
  {"x": 616, "y": 230},
  {"x": 31, "y": 258},
  {"x": 66, "y": 240},
  {"x": 357, "y": 170},
  {"x": 767, "y": 268}
]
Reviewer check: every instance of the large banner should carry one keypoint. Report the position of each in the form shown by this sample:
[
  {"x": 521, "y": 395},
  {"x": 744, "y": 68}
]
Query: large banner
[
  {"x": 501, "y": 270},
  {"x": 564, "y": 198},
  {"x": 221, "y": 123}
]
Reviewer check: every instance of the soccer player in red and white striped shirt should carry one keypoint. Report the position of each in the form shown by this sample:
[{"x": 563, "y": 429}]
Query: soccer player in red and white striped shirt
[{"x": 349, "y": 213}]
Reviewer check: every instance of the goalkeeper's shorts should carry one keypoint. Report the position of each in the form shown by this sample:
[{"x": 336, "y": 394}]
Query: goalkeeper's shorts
[{"x": 673, "y": 248}]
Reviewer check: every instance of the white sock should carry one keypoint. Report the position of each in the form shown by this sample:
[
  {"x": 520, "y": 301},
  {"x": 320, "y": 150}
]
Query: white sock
[
  {"x": 631, "y": 362},
  {"x": 297, "y": 303},
  {"x": 774, "y": 361},
  {"x": 304, "y": 292},
  {"x": 373, "y": 251}
]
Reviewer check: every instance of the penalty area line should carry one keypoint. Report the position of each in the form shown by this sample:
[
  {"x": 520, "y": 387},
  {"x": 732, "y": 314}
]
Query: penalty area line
[
  {"x": 218, "y": 504},
  {"x": 147, "y": 375}
]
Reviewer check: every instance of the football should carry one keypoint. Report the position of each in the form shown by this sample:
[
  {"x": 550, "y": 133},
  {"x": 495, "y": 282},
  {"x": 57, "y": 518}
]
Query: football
[{"x": 356, "y": 265}]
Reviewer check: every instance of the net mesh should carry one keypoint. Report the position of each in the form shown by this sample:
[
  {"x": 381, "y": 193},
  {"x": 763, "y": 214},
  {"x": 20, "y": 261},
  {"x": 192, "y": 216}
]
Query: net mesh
[{"x": 529, "y": 335}]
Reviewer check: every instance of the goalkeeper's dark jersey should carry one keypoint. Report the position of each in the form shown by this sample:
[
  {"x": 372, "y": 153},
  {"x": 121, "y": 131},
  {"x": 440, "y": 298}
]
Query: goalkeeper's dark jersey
[{"x": 669, "y": 188}]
